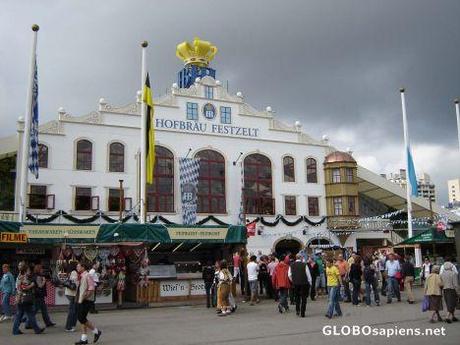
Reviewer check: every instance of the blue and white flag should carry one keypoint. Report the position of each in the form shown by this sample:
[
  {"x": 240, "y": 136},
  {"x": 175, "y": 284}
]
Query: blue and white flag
[
  {"x": 33, "y": 147},
  {"x": 189, "y": 171},
  {"x": 411, "y": 177}
]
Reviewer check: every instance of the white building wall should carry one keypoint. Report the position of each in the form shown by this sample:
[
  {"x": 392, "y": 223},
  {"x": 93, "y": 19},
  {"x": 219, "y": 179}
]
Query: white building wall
[{"x": 274, "y": 139}]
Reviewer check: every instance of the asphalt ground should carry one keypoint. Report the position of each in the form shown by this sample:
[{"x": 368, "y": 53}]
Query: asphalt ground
[{"x": 251, "y": 325}]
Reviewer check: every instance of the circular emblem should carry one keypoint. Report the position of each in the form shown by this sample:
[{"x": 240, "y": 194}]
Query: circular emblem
[
  {"x": 188, "y": 193},
  {"x": 209, "y": 111}
]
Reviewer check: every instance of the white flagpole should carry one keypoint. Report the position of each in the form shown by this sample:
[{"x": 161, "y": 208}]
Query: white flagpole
[
  {"x": 406, "y": 146},
  {"x": 26, "y": 133},
  {"x": 143, "y": 137},
  {"x": 457, "y": 110},
  {"x": 418, "y": 253}
]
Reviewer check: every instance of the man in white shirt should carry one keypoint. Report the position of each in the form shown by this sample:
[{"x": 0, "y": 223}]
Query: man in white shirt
[
  {"x": 94, "y": 273},
  {"x": 253, "y": 272},
  {"x": 299, "y": 275},
  {"x": 454, "y": 269}
]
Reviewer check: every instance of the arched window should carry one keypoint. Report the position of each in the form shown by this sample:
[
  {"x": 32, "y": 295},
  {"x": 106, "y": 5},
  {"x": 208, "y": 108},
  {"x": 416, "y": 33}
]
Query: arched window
[
  {"x": 312, "y": 171},
  {"x": 258, "y": 195},
  {"x": 288, "y": 169},
  {"x": 211, "y": 182},
  {"x": 84, "y": 155},
  {"x": 42, "y": 156},
  {"x": 117, "y": 157},
  {"x": 160, "y": 194}
]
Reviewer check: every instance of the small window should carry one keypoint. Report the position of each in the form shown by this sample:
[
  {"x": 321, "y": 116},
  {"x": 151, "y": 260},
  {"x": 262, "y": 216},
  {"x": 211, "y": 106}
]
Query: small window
[
  {"x": 209, "y": 92},
  {"x": 117, "y": 157},
  {"x": 288, "y": 169},
  {"x": 82, "y": 199},
  {"x": 84, "y": 155},
  {"x": 226, "y": 115},
  {"x": 192, "y": 111},
  {"x": 290, "y": 207},
  {"x": 349, "y": 172},
  {"x": 114, "y": 199},
  {"x": 336, "y": 175},
  {"x": 42, "y": 156},
  {"x": 313, "y": 206},
  {"x": 337, "y": 206},
  {"x": 37, "y": 197},
  {"x": 312, "y": 171},
  {"x": 351, "y": 206}
]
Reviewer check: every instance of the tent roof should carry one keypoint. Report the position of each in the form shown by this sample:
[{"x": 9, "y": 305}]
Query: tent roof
[
  {"x": 394, "y": 196},
  {"x": 428, "y": 236}
]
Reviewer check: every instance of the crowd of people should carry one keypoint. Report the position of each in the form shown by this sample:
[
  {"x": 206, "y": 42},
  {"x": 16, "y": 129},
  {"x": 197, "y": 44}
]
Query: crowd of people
[
  {"x": 356, "y": 280},
  {"x": 288, "y": 279},
  {"x": 27, "y": 293}
]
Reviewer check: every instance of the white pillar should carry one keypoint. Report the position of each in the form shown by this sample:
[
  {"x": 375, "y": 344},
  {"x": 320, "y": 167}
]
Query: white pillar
[{"x": 26, "y": 135}]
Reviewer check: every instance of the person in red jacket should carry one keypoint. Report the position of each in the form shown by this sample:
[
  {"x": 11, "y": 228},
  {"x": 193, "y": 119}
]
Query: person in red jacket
[{"x": 281, "y": 282}]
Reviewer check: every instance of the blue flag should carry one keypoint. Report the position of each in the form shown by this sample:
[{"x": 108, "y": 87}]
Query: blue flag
[
  {"x": 411, "y": 177},
  {"x": 33, "y": 148}
]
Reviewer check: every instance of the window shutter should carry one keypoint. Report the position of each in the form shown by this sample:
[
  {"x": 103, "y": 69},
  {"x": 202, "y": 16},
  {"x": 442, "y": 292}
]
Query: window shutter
[
  {"x": 50, "y": 201},
  {"x": 128, "y": 204},
  {"x": 94, "y": 203}
]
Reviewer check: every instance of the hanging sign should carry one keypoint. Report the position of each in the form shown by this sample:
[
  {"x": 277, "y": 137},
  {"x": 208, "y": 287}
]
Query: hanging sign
[
  {"x": 60, "y": 231},
  {"x": 12, "y": 237},
  {"x": 30, "y": 251},
  {"x": 197, "y": 233}
]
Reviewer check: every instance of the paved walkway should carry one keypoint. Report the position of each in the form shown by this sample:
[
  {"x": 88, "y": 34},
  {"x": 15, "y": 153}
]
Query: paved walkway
[{"x": 250, "y": 325}]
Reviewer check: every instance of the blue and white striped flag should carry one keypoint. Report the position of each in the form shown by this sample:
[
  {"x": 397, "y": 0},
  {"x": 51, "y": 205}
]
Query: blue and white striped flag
[
  {"x": 189, "y": 171},
  {"x": 411, "y": 177},
  {"x": 33, "y": 147}
]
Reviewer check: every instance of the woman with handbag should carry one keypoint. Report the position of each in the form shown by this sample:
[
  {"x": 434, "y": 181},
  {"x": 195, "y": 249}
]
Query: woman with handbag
[
  {"x": 25, "y": 302},
  {"x": 70, "y": 293}
]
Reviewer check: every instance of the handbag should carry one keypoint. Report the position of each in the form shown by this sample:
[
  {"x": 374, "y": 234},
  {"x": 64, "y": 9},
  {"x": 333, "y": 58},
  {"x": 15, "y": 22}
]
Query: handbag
[
  {"x": 398, "y": 275},
  {"x": 425, "y": 303}
]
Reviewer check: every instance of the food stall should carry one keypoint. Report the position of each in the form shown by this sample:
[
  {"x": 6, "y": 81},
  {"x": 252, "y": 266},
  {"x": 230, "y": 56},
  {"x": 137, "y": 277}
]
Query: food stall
[
  {"x": 160, "y": 262},
  {"x": 176, "y": 254}
]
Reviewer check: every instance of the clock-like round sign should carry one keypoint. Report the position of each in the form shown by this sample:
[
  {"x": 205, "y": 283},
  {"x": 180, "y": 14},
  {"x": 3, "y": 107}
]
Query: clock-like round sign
[{"x": 209, "y": 111}]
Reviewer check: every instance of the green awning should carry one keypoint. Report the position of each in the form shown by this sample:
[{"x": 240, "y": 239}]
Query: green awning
[
  {"x": 126, "y": 232},
  {"x": 428, "y": 237},
  {"x": 159, "y": 233},
  {"x": 6, "y": 226}
]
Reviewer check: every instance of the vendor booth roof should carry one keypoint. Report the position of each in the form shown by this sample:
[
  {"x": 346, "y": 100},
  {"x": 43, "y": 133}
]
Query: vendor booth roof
[
  {"x": 429, "y": 236},
  {"x": 159, "y": 233}
]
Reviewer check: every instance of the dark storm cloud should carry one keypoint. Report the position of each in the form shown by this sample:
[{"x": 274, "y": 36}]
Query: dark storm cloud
[{"x": 334, "y": 65}]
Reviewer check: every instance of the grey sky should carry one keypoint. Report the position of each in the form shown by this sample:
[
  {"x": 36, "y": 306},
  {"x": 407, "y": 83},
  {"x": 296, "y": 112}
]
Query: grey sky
[{"x": 334, "y": 65}]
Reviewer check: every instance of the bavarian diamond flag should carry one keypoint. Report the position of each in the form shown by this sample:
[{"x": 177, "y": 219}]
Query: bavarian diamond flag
[{"x": 189, "y": 171}]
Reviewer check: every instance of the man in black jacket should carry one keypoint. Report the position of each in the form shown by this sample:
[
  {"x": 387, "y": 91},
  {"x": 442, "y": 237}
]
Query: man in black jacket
[
  {"x": 314, "y": 271},
  {"x": 408, "y": 274},
  {"x": 208, "y": 277},
  {"x": 40, "y": 295},
  {"x": 299, "y": 275}
]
